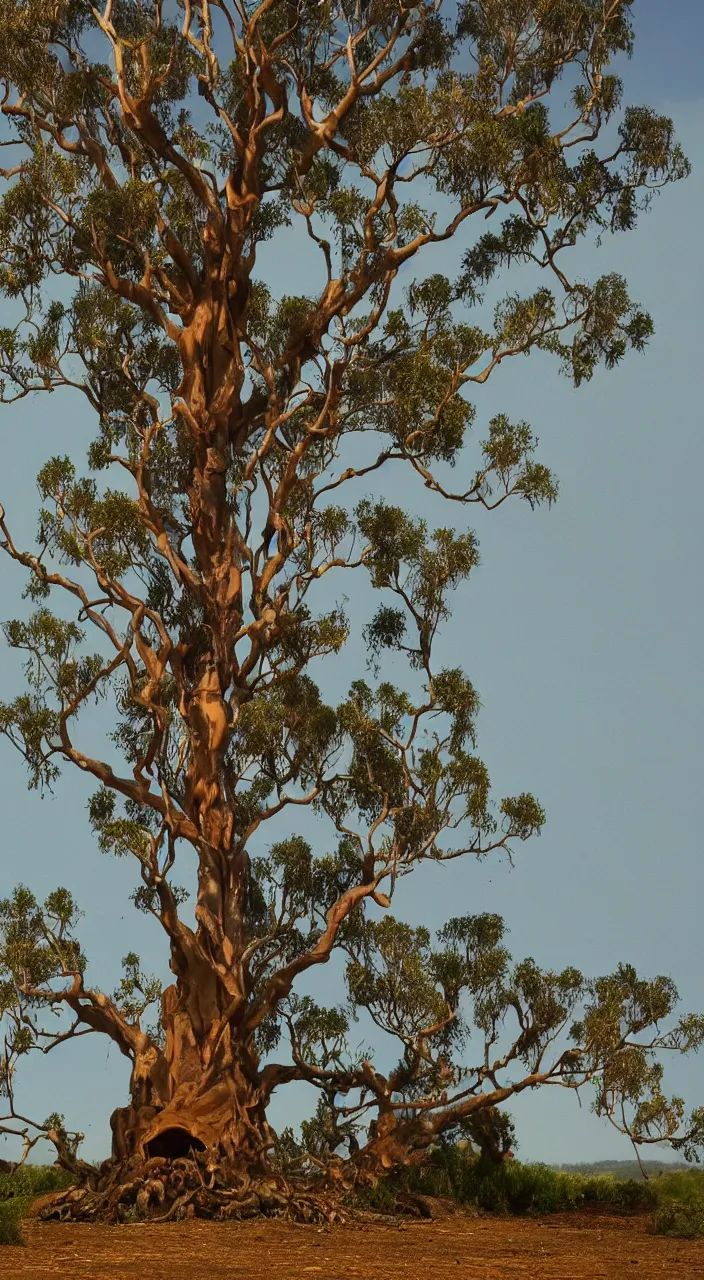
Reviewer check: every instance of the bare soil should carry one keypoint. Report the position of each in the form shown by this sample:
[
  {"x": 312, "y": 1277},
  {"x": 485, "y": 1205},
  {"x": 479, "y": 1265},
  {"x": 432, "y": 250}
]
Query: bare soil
[{"x": 563, "y": 1247}]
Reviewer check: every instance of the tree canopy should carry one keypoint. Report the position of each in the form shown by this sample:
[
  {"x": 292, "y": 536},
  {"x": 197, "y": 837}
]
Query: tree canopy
[{"x": 157, "y": 155}]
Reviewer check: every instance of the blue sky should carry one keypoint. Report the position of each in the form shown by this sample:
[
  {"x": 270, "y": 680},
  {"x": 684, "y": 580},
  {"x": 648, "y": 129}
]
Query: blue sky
[{"x": 581, "y": 631}]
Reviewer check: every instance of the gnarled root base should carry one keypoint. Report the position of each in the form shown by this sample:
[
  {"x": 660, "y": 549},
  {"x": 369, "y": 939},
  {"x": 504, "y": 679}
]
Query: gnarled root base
[{"x": 162, "y": 1190}]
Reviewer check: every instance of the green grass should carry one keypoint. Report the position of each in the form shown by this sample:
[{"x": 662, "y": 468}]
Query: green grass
[{"x": 18, "y": 1189}]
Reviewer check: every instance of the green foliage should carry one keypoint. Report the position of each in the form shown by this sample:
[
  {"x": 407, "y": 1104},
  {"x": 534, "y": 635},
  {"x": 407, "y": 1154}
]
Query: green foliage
[
  {"x": 511, "y": 1187},
  {"x": 675, "y": 1200},
  {"x": 684, "y": 1186},
  {"x": 394, "y": 978},
  {"x": 508, "y": 453},
  {"x": 29, "y": 1180},
  {"x": 680, "y": 1207},
  {"x": 515, "y": 1188},
  {"x": 135, "y": 992},
  {"x": 685, "y": 1221},
  {"x": 37, "y": 943},
  {"x": 323, "y": 1134}
]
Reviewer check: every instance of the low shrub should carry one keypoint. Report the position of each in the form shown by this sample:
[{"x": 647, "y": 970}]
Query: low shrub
[
  {"x": 686, "y": 1186},
  {"x": 32, "y": 1180},
  {"x": 673, "y": 1218},
  {"x": 517, "y": 1188},
  {"x": 11, "y": 1213},
  {"x": 18, "y": 1189},
  {"x": 514, "y": 1187}
]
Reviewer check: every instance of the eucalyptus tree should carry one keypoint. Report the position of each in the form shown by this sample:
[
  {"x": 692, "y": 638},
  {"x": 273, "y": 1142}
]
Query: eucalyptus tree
[{"x": 157, "y": 158}]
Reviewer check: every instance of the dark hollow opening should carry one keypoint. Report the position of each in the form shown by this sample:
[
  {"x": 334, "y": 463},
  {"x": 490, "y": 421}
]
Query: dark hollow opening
[{"x": 173, "y": 1144}]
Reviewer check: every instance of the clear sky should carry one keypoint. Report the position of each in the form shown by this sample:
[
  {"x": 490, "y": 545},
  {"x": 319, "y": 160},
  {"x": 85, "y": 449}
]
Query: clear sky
[{"x": 582, "y": 631}]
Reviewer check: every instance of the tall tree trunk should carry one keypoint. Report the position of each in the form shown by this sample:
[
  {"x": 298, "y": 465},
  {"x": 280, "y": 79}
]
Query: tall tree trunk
[
  {"x": 193, "y": 1140},
  {"x": 179, "y": 1101}
]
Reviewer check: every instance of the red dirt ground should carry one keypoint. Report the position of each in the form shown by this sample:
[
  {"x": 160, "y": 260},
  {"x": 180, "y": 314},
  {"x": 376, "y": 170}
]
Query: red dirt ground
[{"x": 564, "y": 1247}]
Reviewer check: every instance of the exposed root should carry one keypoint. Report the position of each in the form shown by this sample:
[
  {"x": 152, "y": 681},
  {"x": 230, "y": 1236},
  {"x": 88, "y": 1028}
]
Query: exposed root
[
  {"x": 204, "y": 1185},
  {"x": 162, "y": 1190}
]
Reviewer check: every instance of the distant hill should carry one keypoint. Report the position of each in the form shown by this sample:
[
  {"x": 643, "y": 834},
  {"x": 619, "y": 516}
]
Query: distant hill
[{"x": 625, "y": 1168}]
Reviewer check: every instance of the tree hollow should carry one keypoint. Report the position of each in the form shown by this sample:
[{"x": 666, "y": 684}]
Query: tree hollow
[{"x": 173, "y": 1144}]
